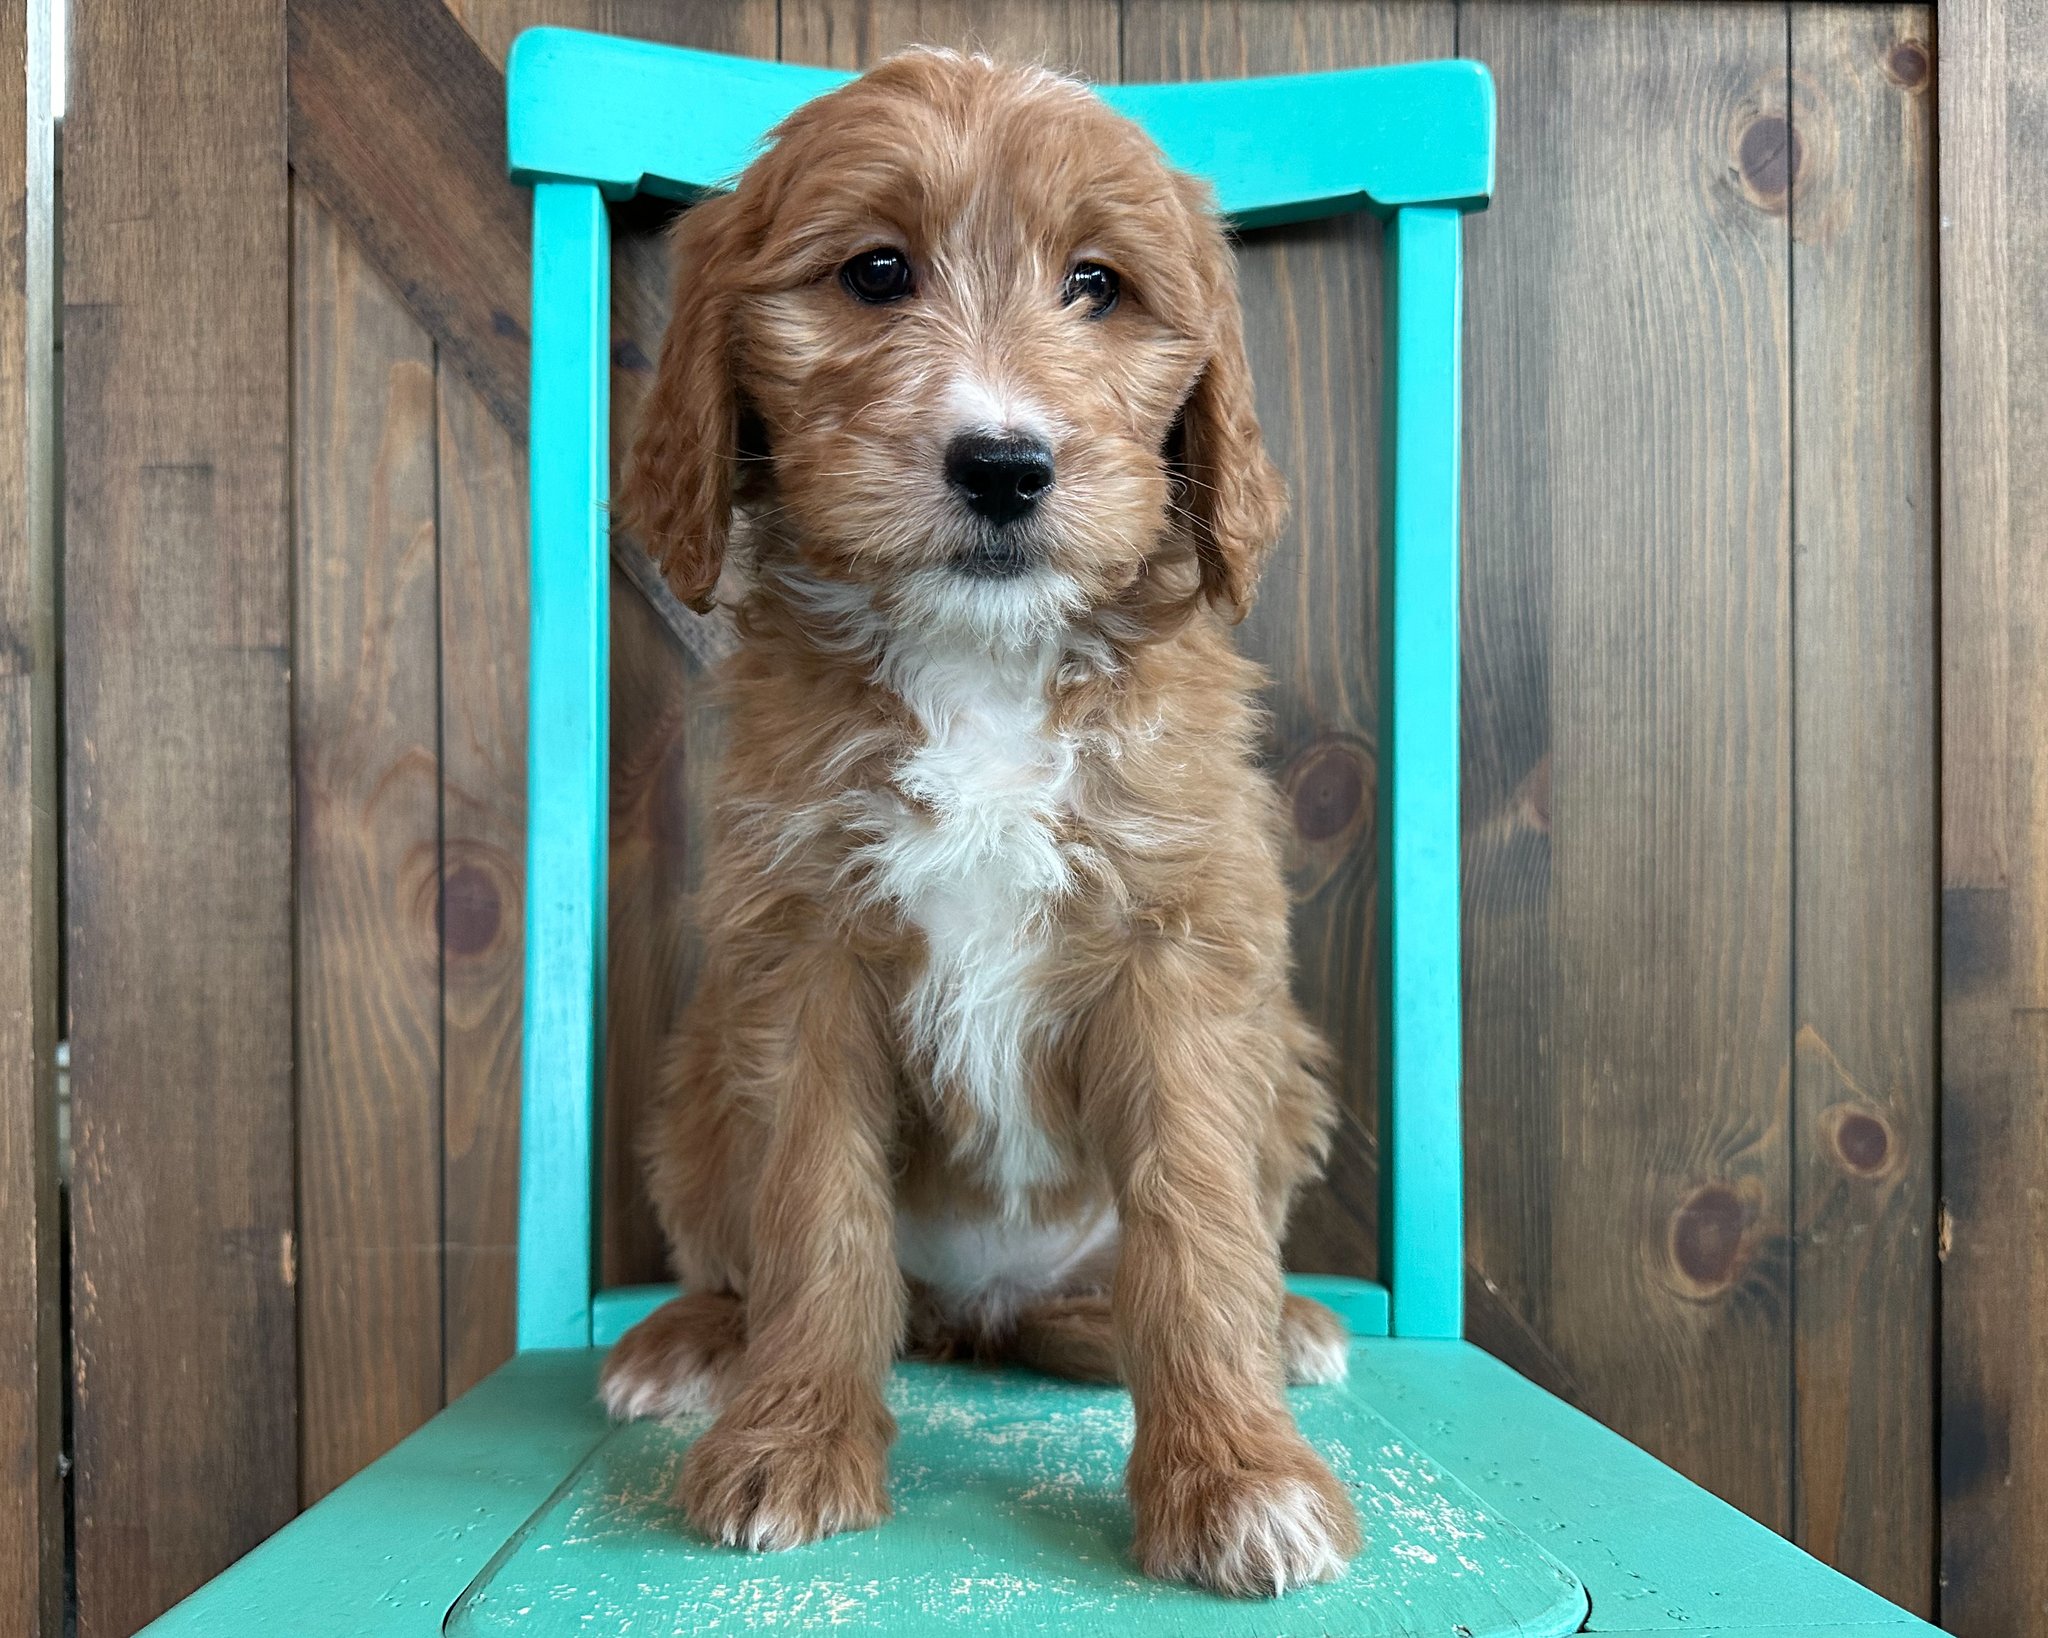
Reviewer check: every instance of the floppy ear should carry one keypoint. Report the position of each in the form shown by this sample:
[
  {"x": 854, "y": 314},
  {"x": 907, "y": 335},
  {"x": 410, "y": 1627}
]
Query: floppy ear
[
  {"x": 676, "y": 494},
  {"x": 1234, "y": 494}
]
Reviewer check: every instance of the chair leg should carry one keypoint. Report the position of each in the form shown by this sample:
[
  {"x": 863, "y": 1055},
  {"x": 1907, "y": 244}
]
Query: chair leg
[
  {"x": 566, "y": 754},
  {"x": 1422, "y": 1252}
]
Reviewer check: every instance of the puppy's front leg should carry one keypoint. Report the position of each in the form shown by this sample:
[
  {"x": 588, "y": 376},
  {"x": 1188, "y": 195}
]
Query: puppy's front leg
[
  {"x": 1226, "y": 1492},
  {"x": 802, "y": 1450}
]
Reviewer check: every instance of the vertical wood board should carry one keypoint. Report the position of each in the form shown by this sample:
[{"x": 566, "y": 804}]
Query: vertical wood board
[
  {"x": 1629, "y": 449},
  {"x": 481, "y": 522},
  {"x": 1993, "y": 144},
  {"x": 368, "y": 863},
  {"x": 1860, "y": 159},
  {"x": 31, "y": 1385},
  {"x": 177, "y": 631}
]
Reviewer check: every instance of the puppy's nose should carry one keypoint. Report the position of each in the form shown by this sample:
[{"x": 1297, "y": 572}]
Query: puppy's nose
[{"x": 999, "y": 474}]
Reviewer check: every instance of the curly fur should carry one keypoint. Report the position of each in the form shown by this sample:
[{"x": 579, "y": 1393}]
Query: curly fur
[{"x": 994, "y": 1050}]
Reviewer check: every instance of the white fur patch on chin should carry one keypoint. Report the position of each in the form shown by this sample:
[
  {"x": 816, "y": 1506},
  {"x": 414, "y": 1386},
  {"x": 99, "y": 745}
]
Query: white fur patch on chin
[
  {"x": 1313, "y": 1358},
  {"x": 1280, "y": 1538},
  {"x": 630, "y": 1395},
  {"x": 937, "y": 617},
  {"x": 937, "y": 609}
]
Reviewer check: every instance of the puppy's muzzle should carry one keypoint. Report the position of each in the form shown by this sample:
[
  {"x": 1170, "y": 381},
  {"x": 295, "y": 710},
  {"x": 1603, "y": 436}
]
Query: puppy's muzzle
[{"x": 1000, "y": 475}]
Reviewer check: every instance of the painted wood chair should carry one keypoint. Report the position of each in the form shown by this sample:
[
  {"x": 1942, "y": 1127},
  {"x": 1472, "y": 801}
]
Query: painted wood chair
[{"x": 1491, "y": 1507}]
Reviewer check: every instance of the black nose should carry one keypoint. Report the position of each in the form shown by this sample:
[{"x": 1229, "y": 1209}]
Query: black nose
[{"x": 999, "y": 474}]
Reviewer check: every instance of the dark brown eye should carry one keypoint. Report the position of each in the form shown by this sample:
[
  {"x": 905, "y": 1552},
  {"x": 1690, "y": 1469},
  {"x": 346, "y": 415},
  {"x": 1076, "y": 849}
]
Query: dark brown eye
[
  {"x": 1093, "y": 283},
  {"x": 878, "y": 277}
]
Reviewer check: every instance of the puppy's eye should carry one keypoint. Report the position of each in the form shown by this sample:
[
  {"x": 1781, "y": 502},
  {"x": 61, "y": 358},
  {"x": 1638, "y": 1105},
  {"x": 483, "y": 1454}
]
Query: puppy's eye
[
  {"x": 878, "y": 277},
  {"x": 1093, "y": 283}
]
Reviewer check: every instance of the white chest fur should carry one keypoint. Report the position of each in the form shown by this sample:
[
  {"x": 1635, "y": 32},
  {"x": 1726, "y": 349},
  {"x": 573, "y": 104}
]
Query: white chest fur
[
  {"x": 984, "y": 1267},
  {"x": 966, "y": 846}
]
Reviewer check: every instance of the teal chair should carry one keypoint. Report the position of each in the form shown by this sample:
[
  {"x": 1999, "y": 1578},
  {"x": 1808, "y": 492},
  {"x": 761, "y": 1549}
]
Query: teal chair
[{"x": 1491, "y": 1507}]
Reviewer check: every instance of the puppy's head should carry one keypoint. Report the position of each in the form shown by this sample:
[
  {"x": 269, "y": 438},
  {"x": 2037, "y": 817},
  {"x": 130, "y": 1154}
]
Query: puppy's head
[{"x": 963, "y": 332}]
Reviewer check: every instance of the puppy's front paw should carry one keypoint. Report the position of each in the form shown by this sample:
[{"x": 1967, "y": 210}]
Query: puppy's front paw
[
  {"x": 768, "y": 1483},
  {"x": 1252, "y": 1523}
]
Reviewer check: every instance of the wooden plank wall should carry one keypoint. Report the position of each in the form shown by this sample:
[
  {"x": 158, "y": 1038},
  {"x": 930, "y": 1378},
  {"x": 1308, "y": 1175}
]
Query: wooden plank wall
[
  {"x": 1645, "y": 485},
  {"x": 1699, "y": 819},
  {"x": 1702, "y": 829},
  {"x": 31, "y": 1382},
  {"x": 1864, "y": 860},
  {"x": 178, "y": 633},
  {"x": 1994, "y": 814}
]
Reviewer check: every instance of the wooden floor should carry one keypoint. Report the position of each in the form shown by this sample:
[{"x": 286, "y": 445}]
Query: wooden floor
[{"x": 1756, "y": 861}]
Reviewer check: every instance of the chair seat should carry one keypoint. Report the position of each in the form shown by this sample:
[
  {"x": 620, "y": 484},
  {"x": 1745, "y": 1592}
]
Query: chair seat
[
  {"x": 1491, "y": 1508},
  {"x": 1010, "y": 1516}
]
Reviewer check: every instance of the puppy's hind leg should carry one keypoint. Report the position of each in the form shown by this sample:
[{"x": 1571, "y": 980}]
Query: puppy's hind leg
[
  {"x": 1315, "y": 1345},
  {"x": 1074, "y": 1337},
  {"x": 1069, "y": 1336},
  {"x": 685, "y": 1356}
]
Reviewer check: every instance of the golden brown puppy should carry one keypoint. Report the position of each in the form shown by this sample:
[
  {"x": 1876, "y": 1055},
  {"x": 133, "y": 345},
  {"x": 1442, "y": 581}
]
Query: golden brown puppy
[{"x": 994, "y": 1050}]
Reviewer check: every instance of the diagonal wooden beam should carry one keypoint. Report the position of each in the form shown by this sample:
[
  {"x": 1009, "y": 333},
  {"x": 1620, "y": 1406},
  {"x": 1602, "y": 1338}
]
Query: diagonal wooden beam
[{"x": 397, "y": 125}]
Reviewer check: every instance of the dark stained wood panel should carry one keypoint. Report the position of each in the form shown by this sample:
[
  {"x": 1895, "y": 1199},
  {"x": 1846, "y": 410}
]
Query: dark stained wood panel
[
  {"x": 746, "y": 28},
  {"x": 1861, "y": 158},
  {"x": 1077, "y": 36},
  {"x": 389, "y": 105},
  {"x": 1629, "y": 819},
  {"x": 1312, "y": 328},
  {"x": 481, "y": 511},
  {"x": 177, "y": 630},
  {"x": 31, "y": 1369},
  {"x": 1993, "y": 100},
  {"x": 398, "y": 127},
  {"x": 1513, "y": 270},
  {"x": 367, "y": 726}
]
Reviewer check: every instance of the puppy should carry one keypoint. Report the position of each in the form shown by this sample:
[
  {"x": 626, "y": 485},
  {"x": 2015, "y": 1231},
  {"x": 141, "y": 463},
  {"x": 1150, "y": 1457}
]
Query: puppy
[{"x": 994, "y": 1051}]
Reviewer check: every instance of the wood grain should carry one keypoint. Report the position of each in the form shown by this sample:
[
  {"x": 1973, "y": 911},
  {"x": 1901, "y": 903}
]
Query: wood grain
[
  {"x": 1629, "y": 864},
  {"x": 481, "y": 511},
  {"x": 367, "y": 728},
  {"x": 1312, "y": 311},
  {"x": 31, "y": 1368},
  {"x": 177, "y": 630},
  {"x": 1864, "y": 853},
  {"x": 398, "y": 126},
  {"x": 1993, "y": 148},
  {"x": 745, "y": 28},
  {"x": 1077, "y": 36},
  {"x": 1512, "y": 1089}
]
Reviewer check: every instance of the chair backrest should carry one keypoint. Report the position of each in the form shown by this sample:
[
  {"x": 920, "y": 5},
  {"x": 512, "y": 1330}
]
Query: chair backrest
[{"x": 594, "y": 118}]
